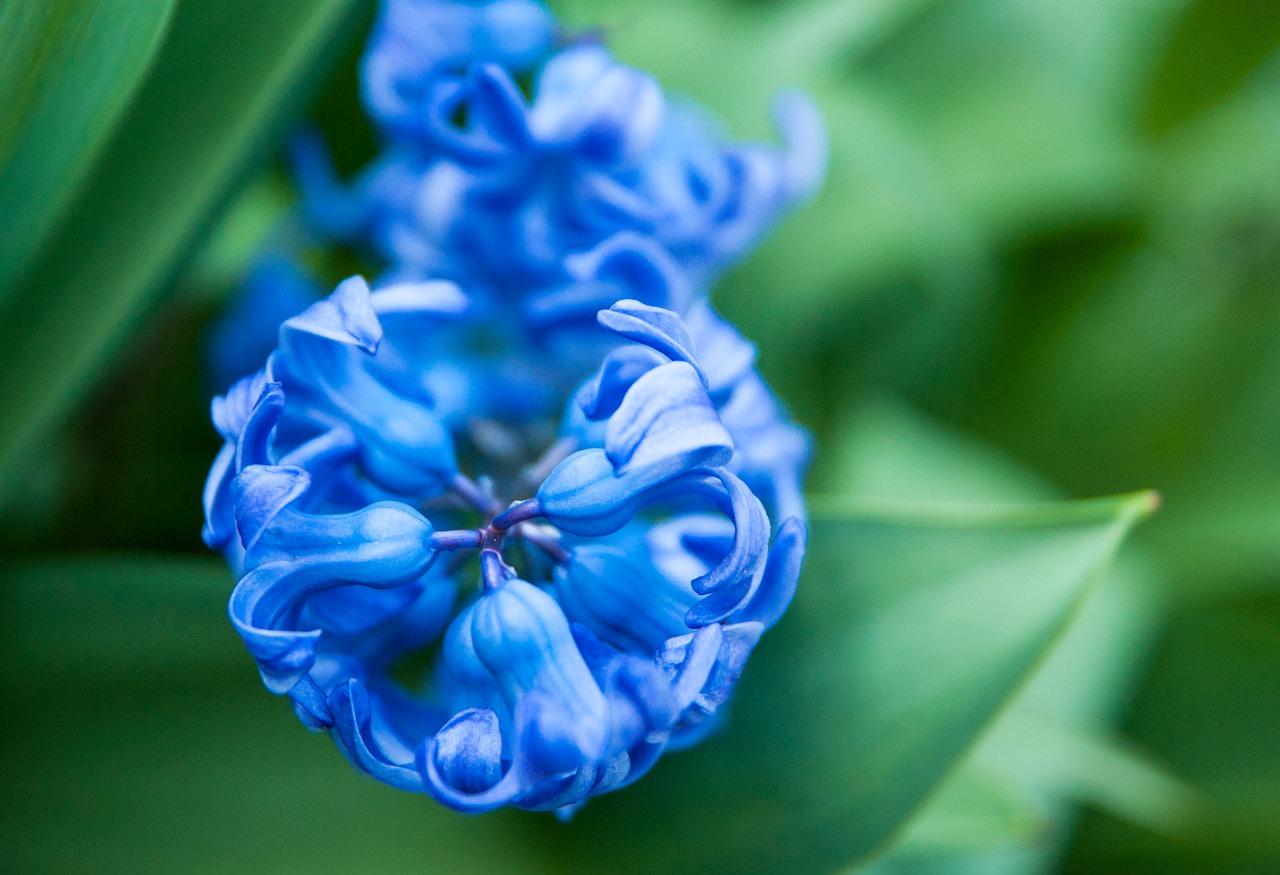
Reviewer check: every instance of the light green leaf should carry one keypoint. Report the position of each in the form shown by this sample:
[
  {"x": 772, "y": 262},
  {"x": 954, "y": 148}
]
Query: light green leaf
[
  {"x": 1009, "y": 805},
  {"x": 978, "y": 808},
  {"x": 1162, "y": 364},
  {"x": 67, "y": 72},
  {"x": 911, "y": 629},
  {"x": 227, "y": 76}
]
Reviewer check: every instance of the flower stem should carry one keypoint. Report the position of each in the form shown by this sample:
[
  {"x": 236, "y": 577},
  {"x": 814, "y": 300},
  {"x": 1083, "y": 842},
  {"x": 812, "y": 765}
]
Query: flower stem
[{"x": 517, "y": 513}]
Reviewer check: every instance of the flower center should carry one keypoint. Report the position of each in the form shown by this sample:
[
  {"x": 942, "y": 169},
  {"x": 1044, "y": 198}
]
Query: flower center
[{"x": 502, "y": 521}]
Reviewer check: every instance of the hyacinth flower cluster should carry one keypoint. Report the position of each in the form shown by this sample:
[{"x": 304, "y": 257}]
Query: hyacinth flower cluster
[{"x": 531, "y": 452}]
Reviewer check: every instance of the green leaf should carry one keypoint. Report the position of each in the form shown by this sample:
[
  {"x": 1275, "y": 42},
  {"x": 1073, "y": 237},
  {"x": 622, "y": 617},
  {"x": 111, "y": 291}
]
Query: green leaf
[
  {"x": 68, "y": 70},
  {"x": 978, "y": 808},
  {"x": 913, "y": 626},
  {"x": 1009, "y": 803},
  {"x": 228, "y": 75}
]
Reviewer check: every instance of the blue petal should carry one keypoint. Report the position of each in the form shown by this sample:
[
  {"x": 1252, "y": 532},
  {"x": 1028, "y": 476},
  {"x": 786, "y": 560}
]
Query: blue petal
[
  {"x": 468, "y": 752},
  {"x": 523, "y": 638},
  {"x": 608, "y": 112},
  {"x": 433, "y": 299},
  {"x": 231, "y": 411},
  {"x": 599, "y": 398},
  {"x": 655, "y": 327},
  {"x": 415, "y": 42},
  {"x": 706, "y": 665},
  {"x": 240, "y": 341},
  {"x": 772, "y": 450},
  {"x": 346, "y": 316},
  {"x": 626, "y": 265},
  {"x": 297, "y": 555},
  {"x": 325, "y": 364},
  {"x": 739, "y": 640},
  {"x": 334, "y": 208},
  {"x": 585, "y": 496},
  {"x": 805, "y": 140},
  {"x": 252, "y": 447},
  {"x": 496, "y": 123},
  {"x": 690, "y": 660},
  {"x": 736, "y": 577},
  {"x": 260, "y": 493},
  {"x": 726, "y": 357},
  {"x": 514, "y": 32},
  {"x": 689, "y": 545},
  {"x": 622, "y": 599},
  {"x": 354, "y": 730},
  {"x": 666, "y": 418},
  {"x": 219, "y": 512},
  {"x": 646, "y": 692},
  {"x": 781, "y": 574},
  {"x": 376, "y": 627},
  {"x": 324, "y": 457},
  {"x": 284, "y": 656},
  {"x": 462, "y": 678},
  {"x": 458, "y": 760},
  {"x": 350, "y": 610}
]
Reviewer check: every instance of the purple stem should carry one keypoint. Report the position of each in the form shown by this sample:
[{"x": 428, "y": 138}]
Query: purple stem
[
  {"x": 458, "y": 539},
  {"x": 517, "y": 513}
]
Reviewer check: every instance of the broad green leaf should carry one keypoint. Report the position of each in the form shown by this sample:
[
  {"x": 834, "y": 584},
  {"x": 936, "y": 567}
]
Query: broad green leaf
[
  {"x": 227, "y": 76},
  {"x": 1009, "y": 804},
  {"x": 137, "y": 703},
  {"x": 976, "y": 809},
  {"x": 67, "y": 72},
  {"x": 1009, "y": 807},
  {"x": 911, "y": 629}
]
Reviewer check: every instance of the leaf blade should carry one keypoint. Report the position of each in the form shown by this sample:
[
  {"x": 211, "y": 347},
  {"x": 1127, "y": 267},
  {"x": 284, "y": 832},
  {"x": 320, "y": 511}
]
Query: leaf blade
[
  {"x": 913, "y": 627},
  {"x": 67, "y": 75},
  {"x": 233, "y": 68}
]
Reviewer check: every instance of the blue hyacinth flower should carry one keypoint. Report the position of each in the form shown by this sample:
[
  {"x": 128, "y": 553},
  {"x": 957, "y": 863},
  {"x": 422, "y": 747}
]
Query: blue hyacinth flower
[{"x": 531, "y": 448}]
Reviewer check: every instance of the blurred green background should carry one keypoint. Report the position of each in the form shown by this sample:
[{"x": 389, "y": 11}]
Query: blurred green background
[{"x": 1045, "y": 265}]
